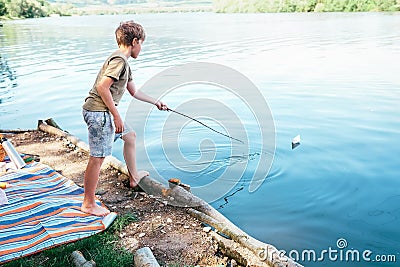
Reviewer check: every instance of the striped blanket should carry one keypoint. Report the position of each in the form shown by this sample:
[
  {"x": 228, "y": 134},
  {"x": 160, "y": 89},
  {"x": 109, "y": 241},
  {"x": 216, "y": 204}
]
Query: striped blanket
[{"x": 43, "y": 212}]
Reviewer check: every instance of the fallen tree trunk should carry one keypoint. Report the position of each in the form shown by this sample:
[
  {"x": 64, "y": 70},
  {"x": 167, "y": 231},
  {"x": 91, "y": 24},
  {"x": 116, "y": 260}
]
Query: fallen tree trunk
[
  {"x": 73, "y": 139},
  {"x": 264, "y": 252},
  {"x": 79, "y": 260},
  {"x": 144, "y": 258},
  {"x": 52, "y": 122}
]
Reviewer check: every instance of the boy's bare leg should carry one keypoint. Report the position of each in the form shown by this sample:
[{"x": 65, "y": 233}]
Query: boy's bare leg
[
  {"x": 130, "y": 158},
  {"x": 90, "y": 183}
]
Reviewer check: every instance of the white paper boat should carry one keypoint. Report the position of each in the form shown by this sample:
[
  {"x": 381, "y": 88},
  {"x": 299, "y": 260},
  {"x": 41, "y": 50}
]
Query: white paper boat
[{"x": 296, "y": 140}]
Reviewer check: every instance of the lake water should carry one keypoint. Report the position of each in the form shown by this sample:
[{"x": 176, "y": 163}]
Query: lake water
[{"x": 333, "y": 79}]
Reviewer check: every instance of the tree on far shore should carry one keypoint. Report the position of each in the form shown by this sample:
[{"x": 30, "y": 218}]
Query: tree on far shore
[{"x": 23, "y": 8}]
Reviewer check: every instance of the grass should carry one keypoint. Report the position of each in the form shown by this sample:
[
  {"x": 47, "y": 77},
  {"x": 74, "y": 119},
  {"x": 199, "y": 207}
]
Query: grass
[{"x": 102, "y": 248}]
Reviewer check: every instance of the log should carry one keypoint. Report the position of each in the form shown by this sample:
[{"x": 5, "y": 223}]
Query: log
[
  {"x": 79, "y": 260},
  {"x": 265, "y": 252},
  {"x": 52, "y": 122},
  {"x": 177, "y": 196},
  {"x": 116, "y": 164},
  {"x": 173, "y": 196},
  {"x": 231, "y": 249},
  {"x": 144, "y": 258},
  {"x": 73, "y": 139}
]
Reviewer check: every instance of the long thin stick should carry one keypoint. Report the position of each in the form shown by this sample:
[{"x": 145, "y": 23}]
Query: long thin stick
[{"x": 184, "y": 115}]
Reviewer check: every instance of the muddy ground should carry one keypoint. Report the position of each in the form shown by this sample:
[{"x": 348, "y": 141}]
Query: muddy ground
[{"x": 175, "y": 237}]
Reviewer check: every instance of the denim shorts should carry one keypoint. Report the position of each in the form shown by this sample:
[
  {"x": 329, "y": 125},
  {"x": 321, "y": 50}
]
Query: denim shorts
[{"x": 101, "y": 132}]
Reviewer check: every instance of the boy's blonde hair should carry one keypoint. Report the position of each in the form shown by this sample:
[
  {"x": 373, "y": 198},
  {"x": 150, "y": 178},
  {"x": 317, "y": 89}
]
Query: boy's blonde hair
[{"x": 127, "y": 31}]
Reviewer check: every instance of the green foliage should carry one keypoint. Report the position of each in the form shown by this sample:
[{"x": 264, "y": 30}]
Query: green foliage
[
  {"x": 3, "y": 9},
  {"x": 102, "y": 248},
  {"x": 122, "y": 221},
  {"x": 44, "y": 8},
  {"x": 254, "y": 6},
  {"x": 23, "y": 8},
  {"x": 32, "y": 9},
  {"x": 358, "y": 5}
]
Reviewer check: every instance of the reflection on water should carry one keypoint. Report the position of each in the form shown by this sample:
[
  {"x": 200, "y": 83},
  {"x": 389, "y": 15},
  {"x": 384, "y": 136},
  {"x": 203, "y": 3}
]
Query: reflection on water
[
  {"x": 380, "y": 215},
  {"x": 8, "y": 80},
  {"x": 331, "y": 78}
]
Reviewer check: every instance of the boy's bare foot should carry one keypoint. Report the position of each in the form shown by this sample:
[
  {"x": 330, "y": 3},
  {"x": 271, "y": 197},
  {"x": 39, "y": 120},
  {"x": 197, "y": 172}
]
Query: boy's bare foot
[
  {"x": 95, "y": 210},
  {"x": 135, "y": 178}
]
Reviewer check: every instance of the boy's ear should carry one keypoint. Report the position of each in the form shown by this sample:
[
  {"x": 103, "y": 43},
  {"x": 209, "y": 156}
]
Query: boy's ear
[{"x": 134, "y": 41}]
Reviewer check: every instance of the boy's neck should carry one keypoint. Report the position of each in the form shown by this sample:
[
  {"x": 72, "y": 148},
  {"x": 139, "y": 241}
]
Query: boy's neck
[{"x": 126, "y": 50}]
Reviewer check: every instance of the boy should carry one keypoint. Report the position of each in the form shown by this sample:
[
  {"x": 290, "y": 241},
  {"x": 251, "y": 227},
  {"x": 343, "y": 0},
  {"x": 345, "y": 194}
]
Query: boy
[{"x": 100, "y": 108}]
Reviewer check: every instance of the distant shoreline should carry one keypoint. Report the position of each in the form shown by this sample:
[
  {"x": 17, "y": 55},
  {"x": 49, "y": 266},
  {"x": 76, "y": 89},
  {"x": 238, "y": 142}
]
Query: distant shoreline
[
  {"x": 291, "y": 6},
  {"x": 34, "y": 9},
  {"x": 216, "y": 6},
  {"x": 129, "y": 9}
]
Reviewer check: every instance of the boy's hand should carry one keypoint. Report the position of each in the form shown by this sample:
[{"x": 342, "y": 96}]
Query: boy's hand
[
  {"x": 161, "y": 106},
  {"x": 119, "y": 124}
]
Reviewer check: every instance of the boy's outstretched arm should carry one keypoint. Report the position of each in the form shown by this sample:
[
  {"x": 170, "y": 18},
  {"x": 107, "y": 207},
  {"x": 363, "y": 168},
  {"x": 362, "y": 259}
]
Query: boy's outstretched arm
[{"x": 144, "y": 97}]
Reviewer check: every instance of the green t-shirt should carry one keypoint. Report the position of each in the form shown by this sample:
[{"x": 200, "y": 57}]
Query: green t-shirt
[{"x": 116, "y": 67}]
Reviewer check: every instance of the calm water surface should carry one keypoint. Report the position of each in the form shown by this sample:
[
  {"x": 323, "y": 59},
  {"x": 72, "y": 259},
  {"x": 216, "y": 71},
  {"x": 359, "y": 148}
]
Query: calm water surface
[{"x": 332, "y": 78}]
